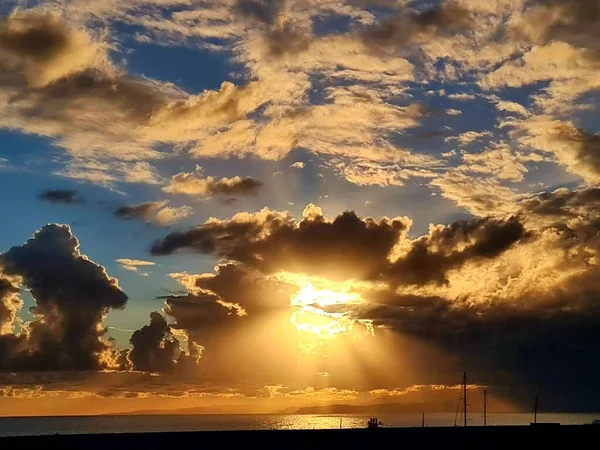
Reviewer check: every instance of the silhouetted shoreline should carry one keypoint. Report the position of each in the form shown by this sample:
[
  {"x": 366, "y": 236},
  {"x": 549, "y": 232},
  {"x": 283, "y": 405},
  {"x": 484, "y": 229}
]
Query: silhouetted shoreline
[{"x": 448, "y": 437}]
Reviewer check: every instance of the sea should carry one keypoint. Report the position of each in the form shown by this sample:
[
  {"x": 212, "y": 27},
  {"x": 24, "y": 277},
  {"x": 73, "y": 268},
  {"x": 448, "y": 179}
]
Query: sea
[{"x": 24, "y": 426}]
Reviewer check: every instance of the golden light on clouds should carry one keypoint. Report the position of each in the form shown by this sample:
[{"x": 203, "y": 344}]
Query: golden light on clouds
[{"x": 310, "y": 313}]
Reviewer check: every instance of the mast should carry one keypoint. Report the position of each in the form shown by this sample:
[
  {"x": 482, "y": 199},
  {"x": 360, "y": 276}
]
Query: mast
[
  {"x": 535, "y": 409},
  {"x": 465, "y": 396},
  {"x": 462, "y": 398},
  {"x": 423, "y": 421},
  {"x": 485, "y": 407}
]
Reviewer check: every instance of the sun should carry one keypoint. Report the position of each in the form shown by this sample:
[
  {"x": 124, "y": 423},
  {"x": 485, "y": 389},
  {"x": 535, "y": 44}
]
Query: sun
[{"x": 320, "y": 312}]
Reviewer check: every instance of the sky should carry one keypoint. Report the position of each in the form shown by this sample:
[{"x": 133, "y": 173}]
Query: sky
[{"x": 264, "y": 204}]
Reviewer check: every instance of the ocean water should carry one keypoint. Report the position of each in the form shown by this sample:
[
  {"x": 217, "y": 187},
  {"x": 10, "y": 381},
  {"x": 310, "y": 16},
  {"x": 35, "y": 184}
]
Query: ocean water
[{"x": 124, "y": 424}]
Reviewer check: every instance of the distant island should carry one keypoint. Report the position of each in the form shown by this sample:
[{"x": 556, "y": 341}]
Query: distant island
[
  {"x": 382, "y": 408},
  {"x": 379, "y": 408}
]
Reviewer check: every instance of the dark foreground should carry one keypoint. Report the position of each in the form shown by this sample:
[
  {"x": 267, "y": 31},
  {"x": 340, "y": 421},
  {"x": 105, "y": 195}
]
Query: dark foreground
[{"x": 514, "y": 437}]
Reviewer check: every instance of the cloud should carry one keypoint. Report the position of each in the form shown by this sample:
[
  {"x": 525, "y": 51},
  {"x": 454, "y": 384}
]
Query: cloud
[
  {"x": 468, "y": 137},
  {"x": 193, "y": 184},
  {"x": 157, "y": 212},
  {"x": 564, "y": 203},
  {"x": 72, "y": 296},
  {"x": 134, "y": 264},
  {"x": 10, "y": 303},
  {"x": 227, "y": 313},
  {"x": 500, "y": 161},
  {"x": 512, "y": 107},
  {"x": 170, "y": 215},
  {"x": 485, "y": 291},
  {"x": 144, "y": 211},
  {"x": 461, "y": 97},
  {"x": 64, "y": 196},
  {"x": 481, "y": 197},
  {"x": 156, "y": 349},
  {"x": 273, "y": 241},
  {"x": 44, "y": 49},
  {"x": 577, "y": 149},
  {"x": 572, "y": 22},
  {"x": 409, "y": 27},
  {"x": 447, "y": 247},
  {"x": 367, "y": 173},
  {"x": 263, "y": 11}
]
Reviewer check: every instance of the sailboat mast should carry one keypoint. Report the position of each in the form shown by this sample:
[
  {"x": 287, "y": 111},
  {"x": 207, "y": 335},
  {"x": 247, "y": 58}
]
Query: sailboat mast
[
  {"x": 535, "y": 408},
  {"x": 485, "y": 407},
  {"x": 465, "y": 396}
]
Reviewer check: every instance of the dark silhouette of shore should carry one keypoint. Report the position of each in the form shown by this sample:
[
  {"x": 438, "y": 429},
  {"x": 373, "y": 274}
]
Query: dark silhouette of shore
[{"x": 438, "y": 438}]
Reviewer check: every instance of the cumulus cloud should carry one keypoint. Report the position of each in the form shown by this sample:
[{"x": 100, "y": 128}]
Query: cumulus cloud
[
  {"x": 157, "y": 212},
  {"x": 447, "y": 247},
  {"x": 72, "y": 296},
  {"x": 156, "y": 349},
  {"x": 346, "y": 247},
  {"x": 10, "y": 303},
  {"x": 272, "y": 241},
  {"x": 483, "y": 290},
  {"x": 64, "y": 196},
  {"x": 193, "y": 184}
]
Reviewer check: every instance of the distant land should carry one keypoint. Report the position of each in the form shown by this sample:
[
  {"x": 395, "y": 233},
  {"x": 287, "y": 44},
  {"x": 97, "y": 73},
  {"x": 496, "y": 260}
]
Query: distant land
[
  {"x": 380, "y": 408},
  {"x": 389, "y": 408}
]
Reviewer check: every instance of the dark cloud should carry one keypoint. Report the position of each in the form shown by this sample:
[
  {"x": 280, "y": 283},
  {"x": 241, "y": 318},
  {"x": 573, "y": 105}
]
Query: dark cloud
[
  {"x": 244, "y": 186},
  {"x": 406, "y": 27},
  {"x": 263, "y": 11},
  {"x": 65, "y": 196},
  {"x": 143, "y": 211},
  {"x": 240, "y": 318},
  {"x": 40, "y": 38},
  {"x": 563, "y": 202},
  {"x": 346, "y": 247},
  {"x": 36, "y": 44},
  {"x": 533, "y": 329},
  {"x": 194, "y": 184},
  {"x": 156, "y": 349},
  {"x": 571, "y": 21},
  {"x": 515, "y": 352},
  {"x": 198, "y": 313},
  {"x": 136, "y": 99},
  {"x": 445, "y": 248},
  {"x": 584, "y": 148},
  {"x": 72, "y": 296},
  {"x": 286, "y": 39},
  {"x": 282, "y": 37}
]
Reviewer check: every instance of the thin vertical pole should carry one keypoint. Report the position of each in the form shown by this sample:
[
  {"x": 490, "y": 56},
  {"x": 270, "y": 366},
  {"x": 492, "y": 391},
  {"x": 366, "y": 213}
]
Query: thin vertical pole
[
  {"x": 535, "y": 409},
  {"x": 465, "y": 396},
  {"x": 485, "y": 407},
  {"x": 340, "y": 423},
  {"x": 423, "y": 421}
]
